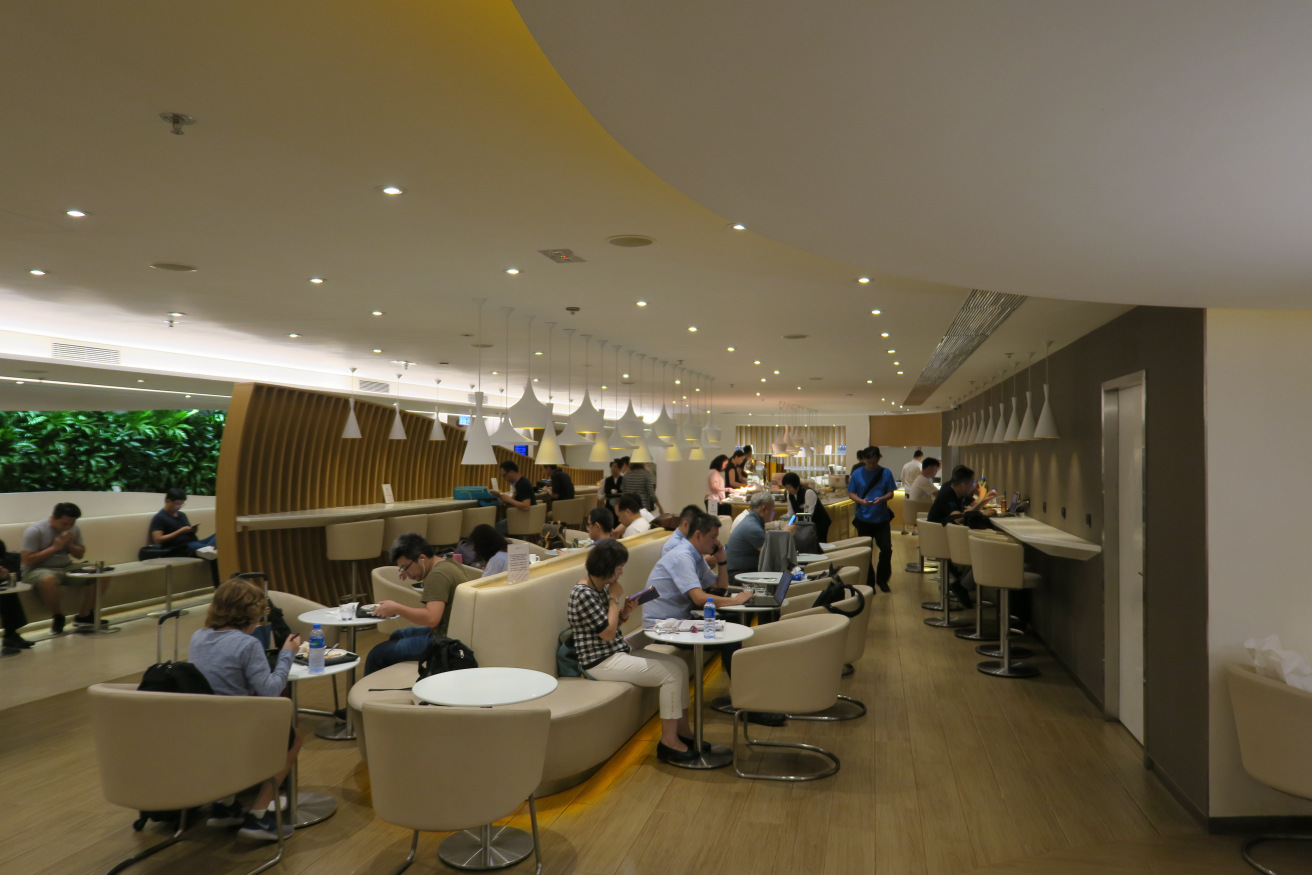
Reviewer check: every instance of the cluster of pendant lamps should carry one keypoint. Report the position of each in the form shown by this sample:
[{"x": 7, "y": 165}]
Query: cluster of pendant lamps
[
  {"x": 669, "y": 436},
  {"x": 980, "y": 427},
  {"x": 795, "y": 437}
]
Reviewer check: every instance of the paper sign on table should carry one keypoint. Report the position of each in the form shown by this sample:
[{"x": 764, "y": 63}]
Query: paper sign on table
[
  {"x": 387, "y": 494},
  {"x": 517, "y": 563}
]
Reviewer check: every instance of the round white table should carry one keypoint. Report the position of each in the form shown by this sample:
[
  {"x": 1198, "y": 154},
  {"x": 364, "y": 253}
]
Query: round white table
[
  {"x": 305, "y": 809},
  {"x": 759, "y": 578},
  {"x": 718, "y": 756},
  {"x": 808, "y": 558},
  {"x": 13, "y": 589},
  {"x": 89, "y": 572},
  {"x": 487, "y": 847},
  {"x": 340, "y": 730}
]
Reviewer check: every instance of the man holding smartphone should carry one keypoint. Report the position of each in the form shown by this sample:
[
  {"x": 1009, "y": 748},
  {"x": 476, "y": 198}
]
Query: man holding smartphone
[{"x": 51, "y": 548}]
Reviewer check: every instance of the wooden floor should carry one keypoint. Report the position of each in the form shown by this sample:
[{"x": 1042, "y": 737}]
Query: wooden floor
[{"x": 951, "y": 772}]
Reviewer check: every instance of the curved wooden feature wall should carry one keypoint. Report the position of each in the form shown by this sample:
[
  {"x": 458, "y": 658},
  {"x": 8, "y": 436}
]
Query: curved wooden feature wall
[{"x": 283, "y": 451}]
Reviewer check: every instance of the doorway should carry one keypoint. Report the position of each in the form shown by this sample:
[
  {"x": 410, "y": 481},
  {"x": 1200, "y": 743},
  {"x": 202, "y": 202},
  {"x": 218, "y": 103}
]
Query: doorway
[{"x": 1124, "y": 441}]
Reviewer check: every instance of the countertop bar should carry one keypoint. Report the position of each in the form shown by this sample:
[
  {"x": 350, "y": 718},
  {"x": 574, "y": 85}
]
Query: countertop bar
[
  {"x": 1046, "y": 538},
  {"x": 306, "y": 519}
]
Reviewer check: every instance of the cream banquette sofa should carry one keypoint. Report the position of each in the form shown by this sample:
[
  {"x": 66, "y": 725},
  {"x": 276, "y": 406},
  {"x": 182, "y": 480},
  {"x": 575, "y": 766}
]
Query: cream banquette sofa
[
  {"x": 115, "y": 540},
  {"x": 518, "y": 625}
]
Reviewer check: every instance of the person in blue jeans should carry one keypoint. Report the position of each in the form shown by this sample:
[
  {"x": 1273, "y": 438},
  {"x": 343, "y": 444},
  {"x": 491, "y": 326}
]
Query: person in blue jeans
[
  {"x": 417, "y": 561},
  {"x": 171, "y": 528},
  {"x": 870, "y": 487}
]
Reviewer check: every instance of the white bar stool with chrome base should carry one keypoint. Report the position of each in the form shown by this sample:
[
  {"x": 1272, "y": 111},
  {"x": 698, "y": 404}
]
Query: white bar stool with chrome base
[
  {"x": 1002, "y": 565},
  {"x": 959, "y": 546},
  {"x": 934, "y": 544},
  {"x": 915, "y": 511}
]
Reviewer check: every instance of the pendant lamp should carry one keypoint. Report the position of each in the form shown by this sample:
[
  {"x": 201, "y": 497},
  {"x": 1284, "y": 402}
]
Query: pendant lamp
[
  {"x": 549, "y": 449},
  {"x": 697, "y": 454},
  {"x": 438, "y": 433},
  {"x": 352, "y": 429},
  {"x": 570, "y": 437},
  {"x": 952, "y": 431},
  {"x": 478, "y": 447},
  {"x": 640, "y": 453},
  {"x": 1027, "y": 424},
  {"x": 600, "y": 451},
  {"x": 587, "y": 419},
  {"x": 398, "y": 429},
  {"x": 1000, "y": 431},
  {"x": 1013, "y": 424},
  {"x": 618, "y": 442},
  {"x": 529, "y": 411},
  {"x": 505, "y": 435},
  {"x": 1046, "y": 427},
  {"x": 986, "y": 433}
]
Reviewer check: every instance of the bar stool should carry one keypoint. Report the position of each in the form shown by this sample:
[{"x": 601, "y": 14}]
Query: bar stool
[
  {"x": 473, "y": 517},
  {"x": 934, "y": 544},
  {"x": 352, "y": 542},
  {"x": 939, "y": 568},
  {"x": 396, "y": 526},
  {"x": 444, "y": 528},
  {"x": 1002, "y": 565},
  {"x": 915, "y": 511},
  {"x": 526, "y": 524},
  {"x": 959, "y": 545}
]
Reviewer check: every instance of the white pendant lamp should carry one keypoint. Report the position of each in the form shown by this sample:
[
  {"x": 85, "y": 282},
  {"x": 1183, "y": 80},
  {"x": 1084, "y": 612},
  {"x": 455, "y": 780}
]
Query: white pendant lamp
[
  {"x": 505, "y": 435},
  {"x": 1027, "y": 423},
  {"x": 570, "y": 437},
  {"x": 529, "y": 411},
  {"x": 1046, "y": 427},
  {"x": 629, "y": 425},
  {"x": 587, "y": 419},
  {"x": 478, "y": 447},
  {"x": 1013, "y": 424},
  {"x": 697, "y": 454},
  {"x": 438, "y": 433},
  {"x": 398, "y": 428},
  {"x": 352, "y": 429},
  {"x": 976, "y": 423},
  {"x": 549, "y": 450},
  {"x": 986, "y": 433},
  {"x": 600, "y": 452},
  {"x": 618, "y": 442},
  {"x": 641, "y": 453},
  {"x": 953, "y": 430},
  {"x": 673, "y": 453},
  {"x": 1000, "y": 430}
]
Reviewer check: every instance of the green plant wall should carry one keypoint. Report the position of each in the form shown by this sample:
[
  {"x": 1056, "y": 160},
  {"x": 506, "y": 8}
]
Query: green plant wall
[{"x": 135, "y": 450}]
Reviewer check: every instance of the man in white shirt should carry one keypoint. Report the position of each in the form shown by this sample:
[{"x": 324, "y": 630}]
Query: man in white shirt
[
  {"x": 910, "y": 472},
  {"x": 924, "y": 488},
  {"x": 632, "y": 523}
]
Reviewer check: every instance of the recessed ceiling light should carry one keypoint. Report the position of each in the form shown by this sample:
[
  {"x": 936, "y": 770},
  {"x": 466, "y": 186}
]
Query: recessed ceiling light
[
  {"x": 316, "y": 280},
  {"x": 863, "y": 280},
  {"x": 883, "y": 399},
  {"x": 884, "y": 334},
  {"x": 495, "y": 373},
  {"x": 758, "y": 394},
  {"x": 891, "y": 351},
  {"x": 730, "y": 348},
  {"x": 757, "y": 362},
  {"x": 640, "y": 303},
  {"x": 19, "y": 382},
  {"x": 76, "y": 214},
  {"x": 899, "y": 373},
  {"x": 535, "y": 379},
  {"x": 392, "y": 189},
  {"x": 776, "y": 372},
  {"x": 141, "y": 381},
  {"x": 513, "y": 271},
  {"x": 376, "y": 312},
  {"x": 738, "y": 226},
  {"x": 692, "y": 328},
  {"x": 625, "y": 376},
  {"x": 763, "y": 379},
  {"x": 897, "y": 363},
  {"x": 37, "y": 272},
  {"x": 875, "y": 312},
  {"x": 868, "y": 382},
  {"x": 678, "y": 382},
  {"x": 175, "y": 314},
  {"x": 186, "y": 396},
  {"x": 537, "y": 353},
  {"x": 293, "y": 335},
  {"x": 799, "y": 388},
  {"x": 377, "y": 350}
]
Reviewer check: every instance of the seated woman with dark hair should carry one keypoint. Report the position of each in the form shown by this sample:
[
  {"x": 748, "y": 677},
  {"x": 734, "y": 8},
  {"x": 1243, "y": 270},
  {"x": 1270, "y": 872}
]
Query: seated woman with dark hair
[
  {"x": 806, "y": 501},
  {"x": 597, "y": 607},
  {"x": 489, "y": 549},
  {"x": 233, "y": 661},
  {"x": 715, "y": 486}
]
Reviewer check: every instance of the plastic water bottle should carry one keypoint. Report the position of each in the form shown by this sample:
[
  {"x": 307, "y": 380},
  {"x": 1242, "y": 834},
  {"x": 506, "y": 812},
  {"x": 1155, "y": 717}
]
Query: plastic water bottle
[
  {"x": 708, "y": 614},
  {"x": 316, "y": 649}
]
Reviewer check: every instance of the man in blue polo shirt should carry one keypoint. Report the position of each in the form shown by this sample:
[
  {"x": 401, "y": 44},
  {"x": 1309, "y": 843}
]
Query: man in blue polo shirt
[
  {"x": 682, "y": 575},
  {"x": 870, "y": 487}
]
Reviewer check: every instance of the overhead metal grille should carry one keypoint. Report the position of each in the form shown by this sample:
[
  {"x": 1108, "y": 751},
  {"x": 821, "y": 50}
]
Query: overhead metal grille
[
  {"x": 979, "y": 317},
  {"x": 375, "y": 386},
  {"x": 85, "y": 353}
]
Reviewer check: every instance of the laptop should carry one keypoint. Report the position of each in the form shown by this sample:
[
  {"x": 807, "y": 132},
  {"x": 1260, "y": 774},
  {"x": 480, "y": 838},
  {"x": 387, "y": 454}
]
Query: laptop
[
  {"x": 1012, "y": 508},
  {"x": 775, "y": 599}
]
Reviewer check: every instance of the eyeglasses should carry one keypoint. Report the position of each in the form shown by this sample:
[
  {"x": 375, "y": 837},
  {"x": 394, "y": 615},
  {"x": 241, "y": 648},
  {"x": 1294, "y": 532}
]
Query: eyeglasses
[{"x": 403, "y": 571}]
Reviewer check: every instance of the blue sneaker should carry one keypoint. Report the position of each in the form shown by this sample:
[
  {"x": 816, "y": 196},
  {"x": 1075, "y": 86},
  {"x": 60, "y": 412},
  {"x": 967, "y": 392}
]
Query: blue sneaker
[
  {"x": 225, "y": 815},
  {"x": 264, "y": 829}
]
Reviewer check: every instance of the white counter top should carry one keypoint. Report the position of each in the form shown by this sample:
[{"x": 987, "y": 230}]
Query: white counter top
[
  {"x": 323, "y": 516},
  {"x": 1047, "y": 539}
]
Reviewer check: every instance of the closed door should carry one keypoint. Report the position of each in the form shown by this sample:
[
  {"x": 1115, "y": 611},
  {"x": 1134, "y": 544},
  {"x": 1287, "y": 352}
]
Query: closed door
[{"x": 1130, "y": 556}]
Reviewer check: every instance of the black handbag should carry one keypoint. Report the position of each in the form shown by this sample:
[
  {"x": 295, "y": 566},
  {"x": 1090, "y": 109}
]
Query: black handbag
[{"x": 834, "y": 593}]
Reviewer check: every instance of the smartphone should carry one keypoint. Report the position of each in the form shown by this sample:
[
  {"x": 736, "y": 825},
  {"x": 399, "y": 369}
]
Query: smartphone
[
  {"x": 495, "y": 486},
  {"x": 645, "y": 596}
]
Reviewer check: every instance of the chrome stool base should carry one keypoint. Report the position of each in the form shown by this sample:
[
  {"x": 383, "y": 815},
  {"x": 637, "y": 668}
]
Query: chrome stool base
[{"x": 1015, "y": 670}]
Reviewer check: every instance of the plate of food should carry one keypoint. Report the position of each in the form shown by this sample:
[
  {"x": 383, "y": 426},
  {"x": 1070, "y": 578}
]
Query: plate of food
[{"x": 333, "y": 656}]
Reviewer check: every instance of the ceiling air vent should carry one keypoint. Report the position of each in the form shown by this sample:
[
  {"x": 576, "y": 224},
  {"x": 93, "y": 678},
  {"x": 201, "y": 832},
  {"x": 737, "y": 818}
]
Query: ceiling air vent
[
  {"x": 85, "y": 353},
  {"x": 979, "y": 317},
  {"x": 375, "y": 386},
  {"x": 562, "y": 256}
]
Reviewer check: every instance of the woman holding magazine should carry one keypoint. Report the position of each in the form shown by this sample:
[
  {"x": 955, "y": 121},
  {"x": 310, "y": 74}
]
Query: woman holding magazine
[{"x": 597, "y": 608}]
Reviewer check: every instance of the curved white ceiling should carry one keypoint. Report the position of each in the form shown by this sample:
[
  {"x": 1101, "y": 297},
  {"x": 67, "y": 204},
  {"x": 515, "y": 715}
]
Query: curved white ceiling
[{"x": 1122, "y": 152}]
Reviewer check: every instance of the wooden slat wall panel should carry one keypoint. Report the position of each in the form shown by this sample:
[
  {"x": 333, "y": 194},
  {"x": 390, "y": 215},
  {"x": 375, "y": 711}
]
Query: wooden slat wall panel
[{"x": 282, "y": 450}]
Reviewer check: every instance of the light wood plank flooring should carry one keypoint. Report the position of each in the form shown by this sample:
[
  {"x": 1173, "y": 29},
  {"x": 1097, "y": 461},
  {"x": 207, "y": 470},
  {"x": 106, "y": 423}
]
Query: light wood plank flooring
[{"x": 951, "y": 772}]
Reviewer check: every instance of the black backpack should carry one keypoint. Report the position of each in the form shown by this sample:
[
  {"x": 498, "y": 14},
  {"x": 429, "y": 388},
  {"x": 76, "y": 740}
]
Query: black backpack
[
  {"x": 445, "y": 654},
  {"x": 834, "y": 593}
]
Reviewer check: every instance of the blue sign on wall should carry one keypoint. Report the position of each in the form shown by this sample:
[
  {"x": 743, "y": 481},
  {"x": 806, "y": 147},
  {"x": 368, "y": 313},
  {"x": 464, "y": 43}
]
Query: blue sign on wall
[
  {"x": 464, "y": 419},
  {"x": 522, "y": 449},
  {"x": 842, "y": 449}
]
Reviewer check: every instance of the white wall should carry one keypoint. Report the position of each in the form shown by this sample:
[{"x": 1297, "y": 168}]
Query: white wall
[{"x": 1257, "y": 376}]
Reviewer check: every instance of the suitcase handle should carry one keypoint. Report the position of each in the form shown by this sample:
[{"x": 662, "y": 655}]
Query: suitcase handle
[{"x": 169, "y": 615}]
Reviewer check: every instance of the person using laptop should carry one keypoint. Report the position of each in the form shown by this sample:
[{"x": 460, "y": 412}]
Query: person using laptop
[
  {"x": 748, "y": 535},
  {"x": 597, "y": 608},
  {"x": 682, "y": 576}
]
